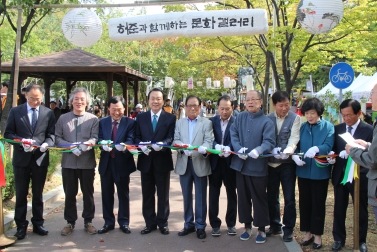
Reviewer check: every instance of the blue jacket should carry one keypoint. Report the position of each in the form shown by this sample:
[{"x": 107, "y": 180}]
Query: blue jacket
[{"x": 321, "y": 135}]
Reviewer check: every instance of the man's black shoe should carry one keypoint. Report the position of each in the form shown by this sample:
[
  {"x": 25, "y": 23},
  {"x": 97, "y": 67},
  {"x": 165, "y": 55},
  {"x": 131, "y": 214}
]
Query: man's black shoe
[
  {"x": 201, "y": 234},
  {"x": 337, "y": 245},
  {"x": 105, "y": 229},
  {"x": 21, "y": 232},
  {"x": 147, "y": 230},
  {"x": 164, "y": 230},
  {"x": 125, "y": 229},
  {"x": 363, "y": 247},
  {"x": 272, "y": 231},
  {"x": 287, "y": 237},
  {"x": 186, "y": 231},
  {"x": 41, "y": 230}
]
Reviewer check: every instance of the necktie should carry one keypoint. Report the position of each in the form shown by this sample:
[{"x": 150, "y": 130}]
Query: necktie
[
  {"x": 113, "y": 137},
  {"x": 33, "y": 119},
  {"x": 154, "y": 122},
  {"x": 349, "y": 129}
]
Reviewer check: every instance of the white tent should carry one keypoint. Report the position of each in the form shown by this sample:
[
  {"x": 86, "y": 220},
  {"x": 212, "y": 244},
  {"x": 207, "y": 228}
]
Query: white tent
[
  {"x": 365, "y": 89},
  {"x": 357, "y": 83}
]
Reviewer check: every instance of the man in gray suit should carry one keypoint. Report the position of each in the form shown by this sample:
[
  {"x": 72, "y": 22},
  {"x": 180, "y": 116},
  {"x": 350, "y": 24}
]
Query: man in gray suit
[
  {"x": 193, "y": 166},
  {"x": 32, "y": 123},
  {"x": 78, "y": 129}
]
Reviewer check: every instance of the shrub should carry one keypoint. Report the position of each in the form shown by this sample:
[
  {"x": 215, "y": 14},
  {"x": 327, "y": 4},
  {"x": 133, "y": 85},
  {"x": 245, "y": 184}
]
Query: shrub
[{"x": 10, "y": 189}]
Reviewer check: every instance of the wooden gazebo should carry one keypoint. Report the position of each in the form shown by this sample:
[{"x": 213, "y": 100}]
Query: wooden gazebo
[{"x": 76, "y": 65}]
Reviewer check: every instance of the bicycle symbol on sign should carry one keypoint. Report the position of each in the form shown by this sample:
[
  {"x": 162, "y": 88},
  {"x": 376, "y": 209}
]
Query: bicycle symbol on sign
[{"x": 341, "y": 77}]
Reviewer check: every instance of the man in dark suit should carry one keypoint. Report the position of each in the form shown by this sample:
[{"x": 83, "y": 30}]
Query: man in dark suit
[
  {"x": 35, "y": 125},
  {"x": 350, "y": 110},
  {"x": 116, "y": 165},
  {"x": 155, "y": 126},
  {"x": 221, "y": 171}
]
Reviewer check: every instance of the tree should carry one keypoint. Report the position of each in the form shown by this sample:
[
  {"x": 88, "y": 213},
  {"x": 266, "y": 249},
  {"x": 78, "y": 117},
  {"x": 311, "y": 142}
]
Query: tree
[{"x": 32, "y": 17}]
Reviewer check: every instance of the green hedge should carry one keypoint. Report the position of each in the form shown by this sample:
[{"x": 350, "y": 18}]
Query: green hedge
[{"x": 9, "y": 190}]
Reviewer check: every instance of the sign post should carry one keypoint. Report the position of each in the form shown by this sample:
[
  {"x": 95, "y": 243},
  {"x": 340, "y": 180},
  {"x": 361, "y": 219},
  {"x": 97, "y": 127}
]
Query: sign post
[{"x": 341, "y": 76}]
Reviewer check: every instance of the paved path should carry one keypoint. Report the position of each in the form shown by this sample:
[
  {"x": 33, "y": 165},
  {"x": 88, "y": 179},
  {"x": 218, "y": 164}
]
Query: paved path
[{"x": 117, "y": 241}]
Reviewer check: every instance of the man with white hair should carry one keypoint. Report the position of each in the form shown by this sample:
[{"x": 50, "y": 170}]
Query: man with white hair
[{"x": 78, "y": 129}]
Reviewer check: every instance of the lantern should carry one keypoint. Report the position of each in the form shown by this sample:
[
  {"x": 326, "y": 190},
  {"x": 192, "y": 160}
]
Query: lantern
[
  {"x": 208, "y": 83},
  {"x": 190, "y": 83},
  {"x": 226, "y": 82},
  {"x": 319, "y": 16},
  {"x": 82, "y": 27}
]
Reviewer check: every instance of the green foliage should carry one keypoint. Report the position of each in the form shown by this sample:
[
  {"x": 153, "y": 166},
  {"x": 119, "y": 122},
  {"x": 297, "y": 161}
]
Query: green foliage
[
  {"x": 331, "y": 102},
  {"x": 9, "y": 190}
]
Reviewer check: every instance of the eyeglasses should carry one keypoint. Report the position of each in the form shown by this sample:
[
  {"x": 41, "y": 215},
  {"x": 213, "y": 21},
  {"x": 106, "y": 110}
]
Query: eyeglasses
[
  {"x": 192, "y": 106},
  {"x": 371, "y": 93},
  {"x": 252, "y": 100}
]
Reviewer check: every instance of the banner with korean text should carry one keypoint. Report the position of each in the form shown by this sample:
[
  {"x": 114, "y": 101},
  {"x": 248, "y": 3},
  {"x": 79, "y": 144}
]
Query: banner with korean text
[{"x": 189, "y": 24}]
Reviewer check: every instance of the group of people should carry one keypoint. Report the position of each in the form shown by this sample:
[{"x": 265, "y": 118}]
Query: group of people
[{"x": 251, "y": 180}]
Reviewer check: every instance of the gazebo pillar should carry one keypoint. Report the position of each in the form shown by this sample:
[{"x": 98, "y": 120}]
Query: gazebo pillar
[
  {"x": 125, "y": 92},
  {"x": 47, "y": 84},
  {"x": 136, "y": 92},
  {"x": 21, "y": 79},
  {"x": 110, "y": 89},
  {"x": 67, "y": 92}
]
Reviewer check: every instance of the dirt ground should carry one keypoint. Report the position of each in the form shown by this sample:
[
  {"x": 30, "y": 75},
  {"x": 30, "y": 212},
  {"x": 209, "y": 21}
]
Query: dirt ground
[{"x": 327, "y": 238}]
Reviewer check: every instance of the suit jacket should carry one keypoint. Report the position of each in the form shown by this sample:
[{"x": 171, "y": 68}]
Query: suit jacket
[
  {"x": 124, "y": 161},
  {"x": 162, "y": 160},
  {"x": 216, "y": 125},
  {"x": 67, "y": 133},
  {"x": 363, "y": 131},
  {"x": 18, "y": 127},
  {"x": 202, "y": 135}
]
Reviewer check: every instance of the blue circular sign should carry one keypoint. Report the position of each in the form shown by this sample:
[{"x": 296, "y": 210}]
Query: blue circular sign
[{"x": 341, "y": 75}]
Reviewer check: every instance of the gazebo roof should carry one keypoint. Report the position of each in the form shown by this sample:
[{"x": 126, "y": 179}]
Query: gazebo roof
[{"x": 73, "y": 64}]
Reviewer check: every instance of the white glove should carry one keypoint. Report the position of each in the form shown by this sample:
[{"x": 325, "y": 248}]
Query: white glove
[
  {"x": 253, "y": 154},
  {"x": 330, "y": 159},
  {"x": 157, "y": 147},
  {"x": 76, "y": 151},
  {"x": 27, "y": 144},
  {"x": 202, "y": 150},
  {"x": 85, "y": 147},
  {"x": 226, "y": 151},
  {"x": 145, "y": 149},
  {"x": 43, "y": 147},
  {"x": 285, "y": 154},
  {"x": 106, "y": 148},
  {"x": 311, "y": 152},
  {"x": 219, "y": 147},
  {"x": 343, "y": 154},
  {"x": 187, "y": 152},
  {"x": 242, "y": 156},
  {"x": 276, "y": 152},
  {"x": 120, "y": 147},
  {"x": 298, "y": 160}
]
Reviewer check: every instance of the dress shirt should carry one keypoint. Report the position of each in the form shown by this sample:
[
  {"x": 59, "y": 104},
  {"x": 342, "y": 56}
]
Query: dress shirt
[
  {"x": 293, "y": 139},
  {"x": 112, "y": 121},
  {"x": 191, "y": 127},
  {"x": 157, "y": 114},
  {"x": 30, "y": 112},
  {"x": 354, "y": 127},
  {"x": 223, "y": 124}
]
